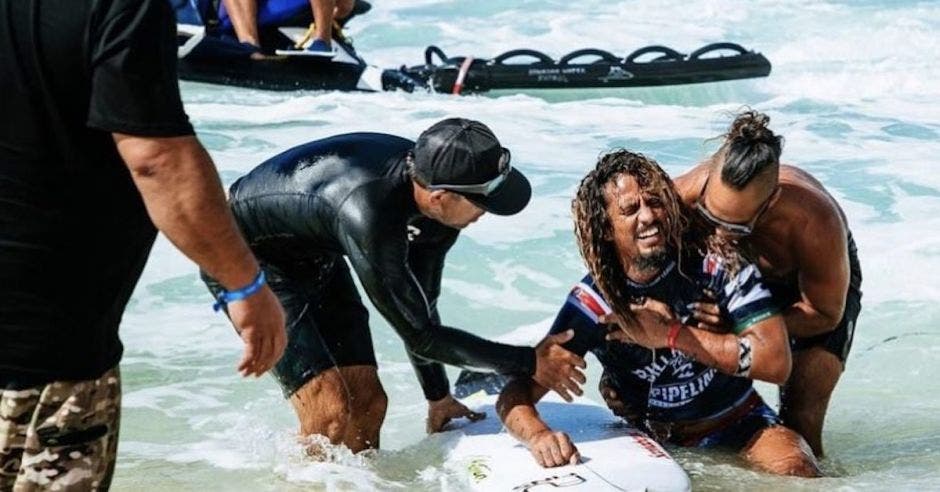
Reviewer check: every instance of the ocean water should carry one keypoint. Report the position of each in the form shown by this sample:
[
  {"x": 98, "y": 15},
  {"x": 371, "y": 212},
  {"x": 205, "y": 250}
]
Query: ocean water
[{"x": 854, "y": 91}]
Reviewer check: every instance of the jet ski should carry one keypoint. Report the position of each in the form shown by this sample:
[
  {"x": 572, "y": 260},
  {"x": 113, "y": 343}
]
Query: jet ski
[{"x": 209, "y": 52}]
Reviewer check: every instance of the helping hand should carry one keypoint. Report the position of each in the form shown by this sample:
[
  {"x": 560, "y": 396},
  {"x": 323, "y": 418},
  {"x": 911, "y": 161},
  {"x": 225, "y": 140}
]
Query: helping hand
[
  {"x": 708, "y": 315},
  {"x": 556, "y": 368},
  {"x": 648, "y": 328},
  {"x": 613, "y": 400},
  {"x": 440, "y": 412}
]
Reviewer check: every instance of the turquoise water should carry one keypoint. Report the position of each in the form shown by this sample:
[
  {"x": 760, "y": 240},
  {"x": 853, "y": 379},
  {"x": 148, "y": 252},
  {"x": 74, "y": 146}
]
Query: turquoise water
[{"x": 853, "y": 90}]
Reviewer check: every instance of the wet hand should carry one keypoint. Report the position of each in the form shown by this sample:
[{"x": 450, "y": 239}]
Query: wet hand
[
  {"x": 552, "y": 449},
  {"x": 611, "y": 398},
  {"x": 440, "y": 412},
  {"x": 648, "y": 327},
  {"x": 558, "y": 369},
  {"x": 708, "y": 317},
  {"x": 259, "y": 320}
]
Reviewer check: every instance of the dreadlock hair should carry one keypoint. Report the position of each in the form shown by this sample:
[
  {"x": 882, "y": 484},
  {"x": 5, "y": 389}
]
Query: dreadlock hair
[
  {"x": 749, "y": 148},
  {"x": 593, "y": 228}
]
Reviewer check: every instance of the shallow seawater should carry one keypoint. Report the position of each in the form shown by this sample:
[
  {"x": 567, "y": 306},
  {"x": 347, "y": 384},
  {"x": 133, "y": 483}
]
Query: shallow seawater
[{"x": 853, "y": 90}]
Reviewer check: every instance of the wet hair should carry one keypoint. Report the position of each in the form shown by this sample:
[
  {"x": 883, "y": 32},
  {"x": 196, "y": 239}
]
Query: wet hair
[
  {"x": 592, "y": 225},
  {"x": 412, "y": 172},
  {"x": 749, "y": 149},
  {"x": 681, "y": 228}
]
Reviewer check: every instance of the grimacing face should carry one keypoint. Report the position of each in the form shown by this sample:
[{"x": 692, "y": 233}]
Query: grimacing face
[{"x": 637, "y": 226}]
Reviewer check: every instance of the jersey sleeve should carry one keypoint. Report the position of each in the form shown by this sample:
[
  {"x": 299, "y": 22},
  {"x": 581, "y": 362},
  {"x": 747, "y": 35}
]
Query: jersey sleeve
[
  {"x": 743, "y": 296},
  {"x": 133, "y": 70},
  {"x": 581, "y": 312}
]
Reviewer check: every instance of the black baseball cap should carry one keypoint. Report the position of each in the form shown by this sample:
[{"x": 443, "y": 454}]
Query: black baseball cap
[{"x": 463, "y": 156}]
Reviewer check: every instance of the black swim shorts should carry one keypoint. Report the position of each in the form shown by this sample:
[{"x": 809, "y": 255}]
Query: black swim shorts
[
  {"x": 839, "y": 340},
  {"x": 327, "y": 324}
]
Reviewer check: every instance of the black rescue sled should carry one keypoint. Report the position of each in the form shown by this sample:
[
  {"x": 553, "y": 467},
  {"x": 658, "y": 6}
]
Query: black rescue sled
[
  {"x": 209, "y": 52},
  {"x": 587, "y": 68}
]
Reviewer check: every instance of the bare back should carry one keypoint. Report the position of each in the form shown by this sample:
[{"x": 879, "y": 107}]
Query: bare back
[{"x": 800, "y": 241}]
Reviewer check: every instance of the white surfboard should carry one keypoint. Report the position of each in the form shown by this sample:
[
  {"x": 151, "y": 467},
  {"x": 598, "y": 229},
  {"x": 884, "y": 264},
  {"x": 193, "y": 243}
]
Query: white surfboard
[{"x": 614, "y": 456}]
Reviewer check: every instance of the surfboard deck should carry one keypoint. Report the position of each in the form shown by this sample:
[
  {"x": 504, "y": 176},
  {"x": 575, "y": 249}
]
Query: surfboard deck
[{"x": 614, "y": 455}]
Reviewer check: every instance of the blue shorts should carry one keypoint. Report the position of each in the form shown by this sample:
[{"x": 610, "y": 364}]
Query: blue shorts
[{"x": 738, "y": 434}]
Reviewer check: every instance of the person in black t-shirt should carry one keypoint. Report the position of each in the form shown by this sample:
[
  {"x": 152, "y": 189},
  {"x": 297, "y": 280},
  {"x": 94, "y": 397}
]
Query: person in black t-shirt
[
  {"x": 682, "y": 384},
  {"x": 93, "y": 139}
]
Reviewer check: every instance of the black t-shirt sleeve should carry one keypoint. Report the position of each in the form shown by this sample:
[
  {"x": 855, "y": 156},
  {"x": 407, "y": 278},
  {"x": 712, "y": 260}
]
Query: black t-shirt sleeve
[{"x": 133, "y": 71}]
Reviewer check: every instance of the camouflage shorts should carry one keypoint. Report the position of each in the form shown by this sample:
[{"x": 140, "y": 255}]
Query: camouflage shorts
[{"x": 61, "y": 436}]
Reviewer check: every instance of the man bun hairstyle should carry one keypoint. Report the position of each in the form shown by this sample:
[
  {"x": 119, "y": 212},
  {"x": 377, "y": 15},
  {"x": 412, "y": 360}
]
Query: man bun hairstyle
[{"x": 750, "y": 148}]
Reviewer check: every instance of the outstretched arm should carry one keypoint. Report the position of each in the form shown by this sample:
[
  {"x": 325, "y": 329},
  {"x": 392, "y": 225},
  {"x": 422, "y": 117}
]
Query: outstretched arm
[
  {"x": 426, "y": 260},
  {"x": 378, "y": 252},
  {"x": 516, "y": 408}
]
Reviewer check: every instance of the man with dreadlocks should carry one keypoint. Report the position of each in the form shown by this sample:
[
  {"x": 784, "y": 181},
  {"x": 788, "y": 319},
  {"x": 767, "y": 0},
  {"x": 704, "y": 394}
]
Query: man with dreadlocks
[{"x": 684, "y": 385}]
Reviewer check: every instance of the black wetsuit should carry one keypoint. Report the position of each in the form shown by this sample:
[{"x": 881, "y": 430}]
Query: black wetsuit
[
  {"x": 665, "y": 386},
  {"x": 351, "y": 195}
]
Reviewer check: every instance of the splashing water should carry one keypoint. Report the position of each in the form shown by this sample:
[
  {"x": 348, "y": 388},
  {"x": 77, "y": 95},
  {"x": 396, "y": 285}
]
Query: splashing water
[{"x": 853, "y": 91}]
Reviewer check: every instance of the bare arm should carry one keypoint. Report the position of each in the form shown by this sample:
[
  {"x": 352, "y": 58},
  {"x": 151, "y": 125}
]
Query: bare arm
[
  {"x": 823, "y": 278},
  {"x": 184, "y": 198},
  {"x": 769, "y": 345},
  {"x": 770, "y": 349},
  {"x": 516, "y": 408}
]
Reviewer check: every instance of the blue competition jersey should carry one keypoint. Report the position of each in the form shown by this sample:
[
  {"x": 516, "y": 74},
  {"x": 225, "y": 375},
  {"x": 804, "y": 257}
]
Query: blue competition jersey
[{"x": 665, "y": 385}]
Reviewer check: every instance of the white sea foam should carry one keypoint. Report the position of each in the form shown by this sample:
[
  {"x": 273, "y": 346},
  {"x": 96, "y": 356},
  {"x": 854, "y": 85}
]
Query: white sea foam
[{"x": 853, "y": 91}]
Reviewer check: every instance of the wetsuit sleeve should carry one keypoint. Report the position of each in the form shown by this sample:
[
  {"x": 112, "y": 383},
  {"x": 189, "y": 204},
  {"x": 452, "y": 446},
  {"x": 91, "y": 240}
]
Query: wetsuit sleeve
[
  {"x": 427, "y": 265},
  {"x": 133, "y": 70},
  {"x": 744, "y": 297},
  {"x": 378, "y": 253},
  {"x": 580, "y": 313}
]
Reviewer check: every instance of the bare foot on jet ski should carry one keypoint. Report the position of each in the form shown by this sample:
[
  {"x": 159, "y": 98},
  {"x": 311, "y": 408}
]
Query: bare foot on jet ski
[
  {"x": 255, "y": 52},
  {"x": 318, "y": 47}
]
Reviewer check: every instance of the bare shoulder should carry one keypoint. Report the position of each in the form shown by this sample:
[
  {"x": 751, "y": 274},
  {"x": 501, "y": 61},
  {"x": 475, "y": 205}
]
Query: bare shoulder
[
  {"x": 689, "y": 184},
  {"x": 814, "y": 213}
]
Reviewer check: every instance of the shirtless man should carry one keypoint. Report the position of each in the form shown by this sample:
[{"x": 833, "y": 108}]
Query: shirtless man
[
  {"x": 683, "y": 384},
  {"x": 794, "y": 229}
]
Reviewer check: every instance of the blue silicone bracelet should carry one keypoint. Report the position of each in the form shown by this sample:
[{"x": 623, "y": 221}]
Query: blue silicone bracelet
[{"x": 230, "y": 296}]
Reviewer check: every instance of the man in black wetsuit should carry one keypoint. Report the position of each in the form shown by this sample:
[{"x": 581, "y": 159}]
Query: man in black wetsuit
[
  {"x": 394, "y": 208},
  {"x": 682, "y": 384}
]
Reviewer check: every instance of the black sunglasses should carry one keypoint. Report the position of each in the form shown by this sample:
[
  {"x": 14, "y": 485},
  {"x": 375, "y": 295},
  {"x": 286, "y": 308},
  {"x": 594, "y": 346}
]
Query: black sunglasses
[{"x": 737, "y": 229}]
